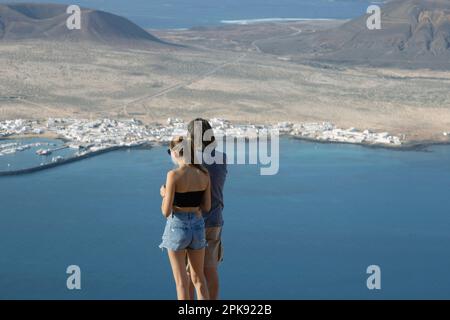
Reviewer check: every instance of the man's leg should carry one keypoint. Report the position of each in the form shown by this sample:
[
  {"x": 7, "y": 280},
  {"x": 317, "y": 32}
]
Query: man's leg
[
  {"x": 212, "y": 279},
  {"x": 213, "y": 256}
]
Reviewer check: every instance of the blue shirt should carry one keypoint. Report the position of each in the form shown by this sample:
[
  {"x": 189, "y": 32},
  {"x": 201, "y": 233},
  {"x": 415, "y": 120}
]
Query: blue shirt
[{"x": 218, "y": 173}]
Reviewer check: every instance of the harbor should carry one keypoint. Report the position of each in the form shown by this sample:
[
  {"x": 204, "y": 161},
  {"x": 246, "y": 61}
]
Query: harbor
[
  {"x": 57, "y": 161},
  {"x": 87, "y": 138}
]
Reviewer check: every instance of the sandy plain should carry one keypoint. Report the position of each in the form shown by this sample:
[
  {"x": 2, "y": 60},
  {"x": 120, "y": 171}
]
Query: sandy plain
[{"x": 220, "y": 73}]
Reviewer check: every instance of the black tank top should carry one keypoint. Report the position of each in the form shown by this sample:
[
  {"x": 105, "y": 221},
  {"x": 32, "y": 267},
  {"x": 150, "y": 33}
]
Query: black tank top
[{"x": 188, "y": 199}]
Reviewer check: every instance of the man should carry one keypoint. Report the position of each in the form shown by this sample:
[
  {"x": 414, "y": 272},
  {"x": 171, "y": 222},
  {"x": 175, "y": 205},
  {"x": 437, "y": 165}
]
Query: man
[{"x": 202, "y": 136}]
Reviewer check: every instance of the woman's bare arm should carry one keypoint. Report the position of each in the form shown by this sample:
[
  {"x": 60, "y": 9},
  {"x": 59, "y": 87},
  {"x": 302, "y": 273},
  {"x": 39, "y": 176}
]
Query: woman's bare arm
[
  {"x": 167, "y": 202},
  {"x": 205, "y": 206}
]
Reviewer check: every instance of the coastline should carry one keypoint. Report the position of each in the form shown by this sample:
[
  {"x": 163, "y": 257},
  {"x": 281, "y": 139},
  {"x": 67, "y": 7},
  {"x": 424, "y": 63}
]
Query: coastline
[
  {"x": 405, "y": 147},
  {"x": 274, "y": 20}
]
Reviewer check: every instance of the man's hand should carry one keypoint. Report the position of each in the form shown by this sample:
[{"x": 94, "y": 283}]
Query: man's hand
[{"x": 162, "y": 191}]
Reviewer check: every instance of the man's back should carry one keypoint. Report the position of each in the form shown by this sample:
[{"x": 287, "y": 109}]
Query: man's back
[{"x": 218, "y": 173}]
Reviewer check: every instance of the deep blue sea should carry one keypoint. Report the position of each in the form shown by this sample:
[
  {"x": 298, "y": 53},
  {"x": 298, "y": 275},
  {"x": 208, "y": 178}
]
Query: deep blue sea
[
  {"x": 309, "y": 232},
  {"x": 160, "y": 14}
]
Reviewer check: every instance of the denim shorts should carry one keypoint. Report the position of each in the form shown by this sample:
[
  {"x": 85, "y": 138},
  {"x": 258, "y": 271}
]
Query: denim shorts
[{"x": 184, "y": 230}]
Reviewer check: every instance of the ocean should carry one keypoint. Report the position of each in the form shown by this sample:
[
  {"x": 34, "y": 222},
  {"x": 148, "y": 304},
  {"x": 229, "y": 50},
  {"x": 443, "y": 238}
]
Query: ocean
[
  {"x": 173, "y": 14},
  {"x": 308, "y": 232}
]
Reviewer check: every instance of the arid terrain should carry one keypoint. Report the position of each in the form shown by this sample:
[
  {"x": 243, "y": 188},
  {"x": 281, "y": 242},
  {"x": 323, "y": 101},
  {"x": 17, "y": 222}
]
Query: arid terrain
[{"x": 220, "y": 72}]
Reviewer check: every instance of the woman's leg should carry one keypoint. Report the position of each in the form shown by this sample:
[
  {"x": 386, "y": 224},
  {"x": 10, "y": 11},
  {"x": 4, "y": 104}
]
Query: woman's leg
[
  {"x": 178, "y": 263},
  {"x": 191, "y": 285},
  {"x": 196, "y": 262}
]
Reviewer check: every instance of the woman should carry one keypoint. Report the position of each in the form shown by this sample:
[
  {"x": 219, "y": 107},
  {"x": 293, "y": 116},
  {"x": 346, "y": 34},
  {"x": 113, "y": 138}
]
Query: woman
[{"x": 186, "y": 195}]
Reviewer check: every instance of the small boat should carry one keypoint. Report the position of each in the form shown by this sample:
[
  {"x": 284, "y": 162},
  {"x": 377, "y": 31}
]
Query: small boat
[{"x": 43, "y": 152}]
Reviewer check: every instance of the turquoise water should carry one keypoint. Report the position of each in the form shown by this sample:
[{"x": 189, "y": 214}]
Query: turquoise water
[
  {"x": 308, "y": 232},
  {"x": 161, "y": 14}
]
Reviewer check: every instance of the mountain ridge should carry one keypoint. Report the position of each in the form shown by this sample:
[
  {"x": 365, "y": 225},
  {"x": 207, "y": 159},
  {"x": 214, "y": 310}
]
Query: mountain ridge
[
  {"x": 24, "y": 21},
  {"x": 415, "y": 33}
]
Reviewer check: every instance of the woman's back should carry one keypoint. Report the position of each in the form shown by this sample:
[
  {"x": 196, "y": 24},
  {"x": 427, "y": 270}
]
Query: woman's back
[
  {"x": 188, "y": 188},
  {"x": 190, "y": 179},
  {"x": 191, "y": 184}
]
